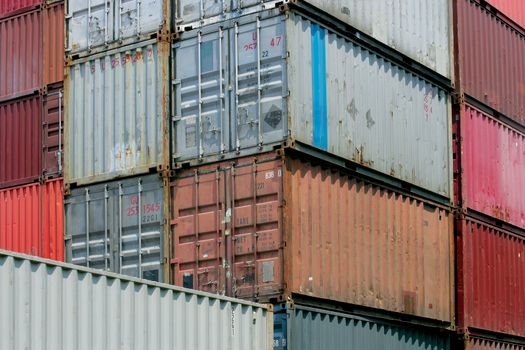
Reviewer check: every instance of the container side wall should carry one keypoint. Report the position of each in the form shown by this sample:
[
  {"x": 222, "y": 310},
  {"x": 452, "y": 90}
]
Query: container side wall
[
  {"x": 514, "y": 9},
  {"x": 490, "y": 60},
  {"x": 20, "y": 141},
  {"x": 9, "y": 7},
  {"x": 76, "y": 308},
  {"x": 20, "y": 54},
  {"x": 128, "y": 86},
  {"x": 493, "y": 167},
  {"x": 53, "y": 43},
  {"x": 487, "y": 344},
  {"x": 492, "y": 279},
  {"x": 313, "y": 329}
]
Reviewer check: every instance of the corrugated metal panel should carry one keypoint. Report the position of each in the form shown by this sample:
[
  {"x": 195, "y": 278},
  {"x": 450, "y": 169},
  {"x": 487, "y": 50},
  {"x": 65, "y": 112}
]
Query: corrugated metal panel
[
  {"x": 306, "y": 328},
  {"x": 63, "y": 307},
  {"x": 10, "y": 7},
  {"x": 367, "y": 122},
  {"x": 346, "y": 239},
  {"x": 491, "y": 278},
  {"x": 98, "y": 24},
  {"x": 492, "y": 167},
  {"x": 31, "y": 220},
  {"x": 20, "y": 133},
  {"x": 490, "y": 55},
  {"x": 130, "y": 85},
  {"x": 418, "y": 29},
  {"x": 53, "y": 130},
  {"x": 53, "y": 43},
  {"x": 20, "y": 54},
  {"x": 474, "y": 343},
  {"x": 514, "y": 9},
  {"x": 118, "y": 227}
]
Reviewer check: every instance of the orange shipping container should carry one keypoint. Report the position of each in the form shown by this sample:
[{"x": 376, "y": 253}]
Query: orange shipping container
[
  {"x": 270, "y": 227},
  {"x": 32, "y": 220}
]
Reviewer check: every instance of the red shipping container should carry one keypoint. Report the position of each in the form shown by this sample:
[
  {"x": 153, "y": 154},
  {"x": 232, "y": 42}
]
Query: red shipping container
[
  {"x": 269, "y": 227},
  {"x": 489, "y": 59},
  {"x": 20, "y": 141},
  {"x": 11, "y": 7},
  {"x": 31, "y": 51},
  {"x": 514, "y": 9},
  {"x": 32, "y": 219},
  {"x": 490, "y": 158},
  {"x": 490, "y": 278}
]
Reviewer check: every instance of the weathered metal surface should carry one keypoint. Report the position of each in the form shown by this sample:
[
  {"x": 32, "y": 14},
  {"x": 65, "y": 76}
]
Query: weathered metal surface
[
  {"x": 53, "y": 43},
  {"x": 489, "y": 59},
  {"x": 94, "y": 26},
  {"x": 420, "y": 30},
  {"x": 32, "y": 220},
  {"x": 62, "y": 306},
  {"x": 306, "y": 328},
  {"x": 308, "y": 84},
  {"x": 53, "y": 132},
  {"x": 10, "y": 7},
  {"x": 491, "y": 162},
  {"x": 491, "y": 278},
  {"x": 262, "y": 228},
  {"x": 514, "y": 9},
  {"x": 129, "y": 85},
  {"x": 20, "y": 141},
  {"x": 118, "y": 227},
  {"x": 476, "y": 343}
]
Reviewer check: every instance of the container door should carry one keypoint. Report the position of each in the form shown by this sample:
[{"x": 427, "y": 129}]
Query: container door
[
  {"x": 140, "y": 228},
  {"x": 137, "y": 17},
  {"x": 259, "y": 53},
  {"x": 89, "y": 24},
  {"x": 89, "y": 228},
  {"x": 53, "y": 133},
  {"x": 200, "y": 122},
  {"x": 196, "y": 10},
  {"x": 256, "y": 230}
]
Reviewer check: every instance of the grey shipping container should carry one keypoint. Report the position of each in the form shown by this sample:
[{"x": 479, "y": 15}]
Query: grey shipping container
[
  {"x": 419, "y": 29},
  {"x": 118, "y": 227},
  {"x": 116, "y": 113},
  {"x": 306, "y": 328},
  {"x": 50, "y": 305},
  {"x": 96, "y": 25},
  {"x": 244, "y": 86}
]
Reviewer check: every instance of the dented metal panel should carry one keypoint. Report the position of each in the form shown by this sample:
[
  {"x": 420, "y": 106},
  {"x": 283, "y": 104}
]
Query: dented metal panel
[
  {"x": 490, "y": 56},
  {"x": 62, "y": 306},
  {"x": 491, "y": 279},
  {"x": 266, "y": 79},
  {"x": 20, "y": 141},
  {"x": 53, "y": 132},
  {"x": 116, "y": 113},
  {"x": 492, "y": 166},
  {"x": 347, "y": 240},
  {"x": 118, "y": 227},
  {"x": 32, "y": 220},
  {"x": 96, "y": 25}
]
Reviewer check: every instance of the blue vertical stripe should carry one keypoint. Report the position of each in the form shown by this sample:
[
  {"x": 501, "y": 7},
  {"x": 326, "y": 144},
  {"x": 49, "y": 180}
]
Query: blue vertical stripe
[{"x": 320, "y": 114}]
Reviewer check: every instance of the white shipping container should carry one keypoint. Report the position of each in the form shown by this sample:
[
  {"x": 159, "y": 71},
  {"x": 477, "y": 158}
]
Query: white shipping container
[
  {"x": 419, "y": 29},
  {"x": 116, "y": 113},
  {"x": 50, "y": 305},
  {"x": 97, "y": 25},
  {"x": 247, "y": 84}
]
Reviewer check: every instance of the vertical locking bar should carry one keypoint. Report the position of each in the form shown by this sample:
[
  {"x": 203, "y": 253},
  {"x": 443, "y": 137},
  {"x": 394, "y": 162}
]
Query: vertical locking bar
[
  {"x": 221, "y": 92},
  {"x": 259, "y": 89},
  {"x": 199, "y": 87},
  {"x": 254, "y": 226},
  {"x": 87, "y": 227},
  {"x": 106, "y": 16},
  {"x": 237, "y": 140},
  {"x": 106, "y": 199},
  {"x": 140, "y": 229},
  {"x": 196, "y": 225},
  {"x": 139, "y": 3},
  {"x": 120, "y": 31},
  {"x": 89, "y": 26},
  {"x": 60, "y": 97},
  {"x": 120, "y": 194}
]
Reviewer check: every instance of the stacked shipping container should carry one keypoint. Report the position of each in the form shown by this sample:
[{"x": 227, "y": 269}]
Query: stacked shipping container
[
  {"x": 31, "y": 74},
  {"x": 489, "y": 168}
]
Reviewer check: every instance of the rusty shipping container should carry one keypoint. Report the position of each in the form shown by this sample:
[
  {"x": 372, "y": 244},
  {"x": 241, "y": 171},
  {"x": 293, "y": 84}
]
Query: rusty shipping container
[
  {"x": 489, "y": 55},
  {"x": 31, "y": 51},
  {"x": 490, "y": 166},
  {"x": 11, "y": 7},
  {"x": 32, "y": 219},
  {"x": 490, "y": 278},
  {"x": 513, "y": 9},
  {"x": 268, "y": 227},
  {"x": 30, "y": 139},
  {"x": 117, "y": 114},
  {"x": 479, "y": 343},
  {"x": 306, "y": 83}
]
